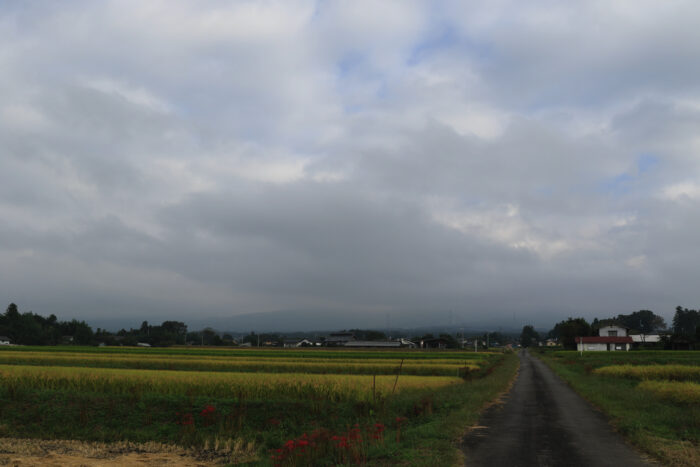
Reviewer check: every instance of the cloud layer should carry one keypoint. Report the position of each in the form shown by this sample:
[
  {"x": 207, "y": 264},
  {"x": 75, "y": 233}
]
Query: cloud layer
[{"x": 178, "y": 159}]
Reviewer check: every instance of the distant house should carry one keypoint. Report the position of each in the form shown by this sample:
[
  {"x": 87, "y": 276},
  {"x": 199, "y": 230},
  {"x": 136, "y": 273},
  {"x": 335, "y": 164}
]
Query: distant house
[
  {"x": 143, "y": 344},
  {"x": 4, "y": 340},
  {"x": 407, "y": 343},
  {"x": 437, "y": 343},
  {"x": 304, "y": 342},
  {"x": 609, "y": 338},
  {"x": 339, "y": 339},
  {"x": 551, "y": 343}
]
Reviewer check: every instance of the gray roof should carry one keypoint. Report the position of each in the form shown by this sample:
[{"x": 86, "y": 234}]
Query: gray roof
[{"x": 373, "y": 344}]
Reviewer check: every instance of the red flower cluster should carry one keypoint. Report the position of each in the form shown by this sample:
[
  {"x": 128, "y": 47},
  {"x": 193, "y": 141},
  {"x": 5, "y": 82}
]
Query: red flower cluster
[
  {"x": 342, "y": 442},
  {"x": 184, "y": 419},
  {"x": 297, "y": 447},
  {"x": 349, "y": 439},
  {"x": 378, "y": 432},
  {"x": 350, "y": 446},
  {"x": 208, "y": 415}
]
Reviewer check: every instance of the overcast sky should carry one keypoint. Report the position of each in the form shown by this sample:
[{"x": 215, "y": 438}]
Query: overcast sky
[{"x": 514, "y": 160}]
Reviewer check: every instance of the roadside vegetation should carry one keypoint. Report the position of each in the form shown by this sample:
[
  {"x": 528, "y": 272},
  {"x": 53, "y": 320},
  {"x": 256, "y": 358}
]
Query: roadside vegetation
[
  {"x": 652, "y": 397},
  {"x": 283, "y": 407}
]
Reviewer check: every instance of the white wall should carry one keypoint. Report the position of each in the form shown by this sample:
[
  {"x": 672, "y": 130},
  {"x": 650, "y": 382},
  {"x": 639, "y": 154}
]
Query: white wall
[
  {"x": 648, "y": 338},
  {"x": 603, "y": 332},
  {"x": 594, "y": 347}
]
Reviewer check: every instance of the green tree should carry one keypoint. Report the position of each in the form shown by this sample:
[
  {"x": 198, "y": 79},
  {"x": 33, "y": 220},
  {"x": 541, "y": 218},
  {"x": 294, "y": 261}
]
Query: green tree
[
  {"x": 567, "y": 331},
  {"x": 368, "y": 335},
  {"x": 451, "y": 341},
  {"x": 12, "y": 312},
  {"x": 177, "y": 329},
  {"x": 686, "y": 322},
  {"x": 643, "y": 321},
  {"x": 529, "y": 337},
  {"x": 211, "y": 337}
]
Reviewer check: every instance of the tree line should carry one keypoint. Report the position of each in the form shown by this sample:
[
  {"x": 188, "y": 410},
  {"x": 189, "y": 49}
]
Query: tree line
[
  {"x": 685, "y": 328},
  {"x": 32, "y": 329}
]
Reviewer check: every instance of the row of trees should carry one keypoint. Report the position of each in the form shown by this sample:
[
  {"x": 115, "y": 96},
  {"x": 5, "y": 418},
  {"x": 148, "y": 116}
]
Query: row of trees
[
  {"x": 31, "y": 329},
  {"x": 686, "y": 327}
]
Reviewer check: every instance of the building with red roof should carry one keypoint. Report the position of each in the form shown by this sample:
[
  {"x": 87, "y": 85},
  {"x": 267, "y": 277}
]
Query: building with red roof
[{"x": 609, "y": 338}]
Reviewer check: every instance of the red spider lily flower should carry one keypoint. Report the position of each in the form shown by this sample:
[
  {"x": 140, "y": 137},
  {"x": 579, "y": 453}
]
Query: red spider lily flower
[{"x": 184, "y": 419}]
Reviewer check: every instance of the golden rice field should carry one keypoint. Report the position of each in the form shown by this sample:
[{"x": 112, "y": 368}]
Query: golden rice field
[
  {"x": 333, "y": 387},
  {"x": 265, "y": 398},
  {"x": 652, "y": 372},
  {"x": 242, "y": 363},
  {"x": 682, "y": 392}
]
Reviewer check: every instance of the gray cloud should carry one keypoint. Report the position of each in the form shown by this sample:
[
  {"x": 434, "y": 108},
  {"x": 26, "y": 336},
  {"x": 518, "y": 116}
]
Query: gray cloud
[{"x": 200, "y": 160}]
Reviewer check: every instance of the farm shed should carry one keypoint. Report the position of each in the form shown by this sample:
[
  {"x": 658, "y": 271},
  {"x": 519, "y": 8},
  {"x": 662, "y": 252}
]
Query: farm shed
[
  {"x": 4, "y": 340},
  {"x": 374, "y": 344},
  {"x": 339, "y": 339},
  {"x": 646, "y": 340}
]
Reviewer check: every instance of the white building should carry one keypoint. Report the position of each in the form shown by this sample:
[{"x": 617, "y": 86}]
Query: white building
[
  {"x": 609, "y": 338},
  {"x": 646, "y": 338}
]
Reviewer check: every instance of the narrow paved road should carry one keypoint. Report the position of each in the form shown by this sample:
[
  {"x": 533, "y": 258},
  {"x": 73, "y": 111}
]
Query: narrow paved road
[{"x": 543, "y": 422}]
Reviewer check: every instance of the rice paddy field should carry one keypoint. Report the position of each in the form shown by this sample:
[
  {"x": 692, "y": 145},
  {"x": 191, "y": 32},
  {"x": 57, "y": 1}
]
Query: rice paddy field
[
  {"x": 653, "y": 397},
  {"x": 252, "y": 406}
]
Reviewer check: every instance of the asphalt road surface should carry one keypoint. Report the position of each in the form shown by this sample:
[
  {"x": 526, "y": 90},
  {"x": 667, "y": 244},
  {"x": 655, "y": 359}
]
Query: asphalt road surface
[{"x": 543, "y": 422}]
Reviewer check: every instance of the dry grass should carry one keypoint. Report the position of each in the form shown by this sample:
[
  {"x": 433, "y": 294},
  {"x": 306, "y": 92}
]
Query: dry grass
[
  {"x": 673, "y": 453},
  {"x": 681, "y": 392},
  {"x": 25, "y": 452},
  {"x": 666, "y": 372}
]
